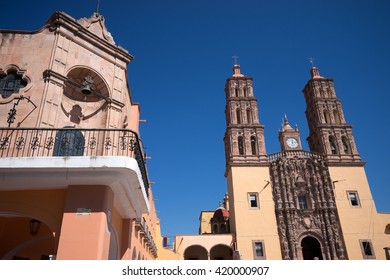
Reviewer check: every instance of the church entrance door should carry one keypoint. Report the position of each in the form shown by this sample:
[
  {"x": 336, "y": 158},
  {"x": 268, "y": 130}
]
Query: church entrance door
[{"x": 311, "y": 249}]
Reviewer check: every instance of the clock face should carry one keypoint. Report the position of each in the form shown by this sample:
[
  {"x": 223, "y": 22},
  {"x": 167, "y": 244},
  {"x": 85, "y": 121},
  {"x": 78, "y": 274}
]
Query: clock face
[{"x": 292, "y": 143}]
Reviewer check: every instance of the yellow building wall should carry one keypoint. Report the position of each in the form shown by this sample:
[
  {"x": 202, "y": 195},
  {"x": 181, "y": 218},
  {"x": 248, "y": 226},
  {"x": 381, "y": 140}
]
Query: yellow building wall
[
  {"x": 163, "y": 253},
  {"x": 359, "y": 222},
  {"x": 204, "y": 221},
  {"x": 252, "y": 224}
]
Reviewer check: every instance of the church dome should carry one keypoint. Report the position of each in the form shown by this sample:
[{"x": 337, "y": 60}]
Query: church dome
[{"x": 221, "y": 214}]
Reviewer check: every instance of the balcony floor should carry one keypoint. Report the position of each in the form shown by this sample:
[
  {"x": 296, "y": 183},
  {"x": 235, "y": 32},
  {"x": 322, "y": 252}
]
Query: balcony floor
[{"x": 121, "y": 174}]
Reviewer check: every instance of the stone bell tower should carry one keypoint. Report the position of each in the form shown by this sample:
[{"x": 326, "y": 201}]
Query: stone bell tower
[
  {"x": 247, "y": 173},
  {"x": 332, "y": 137},
  {"x": 244, "y": 137},
  {"x": 329, "y": 132}
]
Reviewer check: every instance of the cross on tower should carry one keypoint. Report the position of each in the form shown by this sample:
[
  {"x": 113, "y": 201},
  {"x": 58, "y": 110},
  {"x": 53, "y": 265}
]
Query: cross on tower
[
  {"x": 97, "y": 6},
  {"x": 311, "y": 60},
  {"x": 235, "y": 58}
]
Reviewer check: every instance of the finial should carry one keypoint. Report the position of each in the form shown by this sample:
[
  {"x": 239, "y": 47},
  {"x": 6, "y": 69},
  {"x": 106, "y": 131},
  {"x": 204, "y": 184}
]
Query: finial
[
  {"x": 285, "y": 120},
  {"x": 236, "y": 67},
  {"x": 285, "y": 124},
  {"x": 314, "y": 70}
]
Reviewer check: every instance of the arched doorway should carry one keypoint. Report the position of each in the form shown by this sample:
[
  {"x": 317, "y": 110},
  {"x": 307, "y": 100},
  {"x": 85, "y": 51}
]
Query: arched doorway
[
  {"x": 221, "y": 252},
  {"x": 311, "y": 248},
  {"x": 195, "y": 252}
]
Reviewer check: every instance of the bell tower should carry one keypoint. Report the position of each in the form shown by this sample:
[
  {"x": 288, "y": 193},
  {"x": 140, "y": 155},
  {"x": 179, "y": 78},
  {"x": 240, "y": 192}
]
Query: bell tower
[
  {"x": 329, "y": 132},
  {"x": 247, "y": 174},
  {"x": 244, "y": 136}
]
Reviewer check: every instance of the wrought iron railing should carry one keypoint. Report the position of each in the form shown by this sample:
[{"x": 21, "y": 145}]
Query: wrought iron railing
[
  {"x": 67, "y": 142},
  {"x": 291, "y": 154}
]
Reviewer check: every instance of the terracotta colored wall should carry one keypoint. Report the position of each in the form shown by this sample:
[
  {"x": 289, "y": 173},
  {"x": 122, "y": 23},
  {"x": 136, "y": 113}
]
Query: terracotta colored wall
[
  {"x": 30, "y": 53},
  {"x": 86, "y": 236},
  {"x": 63, "y": 52},
  {"x": 17, "y": 208}
]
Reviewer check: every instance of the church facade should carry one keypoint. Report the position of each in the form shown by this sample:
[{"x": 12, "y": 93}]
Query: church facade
[
  {"x": 299, "y": 204},
  {"x": 74, "y": 182}
]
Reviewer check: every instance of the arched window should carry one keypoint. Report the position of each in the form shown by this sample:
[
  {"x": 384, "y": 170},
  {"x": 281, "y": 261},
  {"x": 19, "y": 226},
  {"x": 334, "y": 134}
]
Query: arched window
[
  {"x": 238, "y": 114},
  {"x": 240, "y": 145},
  {"x": 336, "y": 116},
  {"x": 326, "y": 116},
  {"x": 347, "y": 149},
  {"x": 245, "y": 92},
  {"x": 215, "y": 228},
  {"x": 333, "y": 145},
  {"x": 253, "y": 145},
  {"x": 248, "y": 115},
  {"x": 235, "y": 92}
]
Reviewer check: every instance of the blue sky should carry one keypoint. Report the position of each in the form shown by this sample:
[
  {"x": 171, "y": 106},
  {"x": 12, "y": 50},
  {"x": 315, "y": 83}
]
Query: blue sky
[{"x": 183, "y": 54}]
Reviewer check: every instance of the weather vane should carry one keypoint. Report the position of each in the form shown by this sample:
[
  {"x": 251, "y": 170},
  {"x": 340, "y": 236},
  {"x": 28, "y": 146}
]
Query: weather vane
[
  {"x": 235, "y": 58},
  {"x": 311, "y": 60}
]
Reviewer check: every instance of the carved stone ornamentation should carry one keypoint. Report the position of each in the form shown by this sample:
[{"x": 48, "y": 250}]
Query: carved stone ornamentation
[{"x": 305, "y": 208}]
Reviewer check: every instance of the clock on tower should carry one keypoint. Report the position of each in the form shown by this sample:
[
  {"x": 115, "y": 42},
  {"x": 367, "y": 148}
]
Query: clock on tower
[
  {"x": 292, "y": 143},
  {"x": 289, "y": 137}
]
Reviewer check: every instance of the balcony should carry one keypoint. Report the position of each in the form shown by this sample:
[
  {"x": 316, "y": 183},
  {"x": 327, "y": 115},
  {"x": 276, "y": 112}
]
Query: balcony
[
  {"x": 44, "y": 158},
  {"x": 294, "y": 154},
  {"x": 142, "y": 228}
]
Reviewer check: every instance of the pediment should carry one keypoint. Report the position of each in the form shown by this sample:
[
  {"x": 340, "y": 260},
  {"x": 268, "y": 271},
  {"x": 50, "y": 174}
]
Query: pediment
[{"x": 96, "y": 25}]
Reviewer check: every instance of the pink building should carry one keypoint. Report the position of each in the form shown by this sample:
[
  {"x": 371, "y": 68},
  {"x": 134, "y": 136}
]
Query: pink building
[{"x": 73, "y": 180}]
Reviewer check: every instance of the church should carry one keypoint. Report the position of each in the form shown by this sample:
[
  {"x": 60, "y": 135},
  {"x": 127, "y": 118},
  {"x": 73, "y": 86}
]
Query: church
[
  {"x": 74, "y": 181},
  {"x": 294, "y": 204}
]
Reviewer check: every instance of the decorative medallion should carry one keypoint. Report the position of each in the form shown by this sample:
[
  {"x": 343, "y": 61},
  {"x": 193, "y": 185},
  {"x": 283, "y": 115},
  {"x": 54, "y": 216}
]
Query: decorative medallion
[{"x": 307, "y": 222}]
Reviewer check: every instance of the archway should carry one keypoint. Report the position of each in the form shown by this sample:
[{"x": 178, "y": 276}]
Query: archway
[
  {"x": 221, "y": 252},
  {"x": 195, "y": 252},
  {"x": 24, "y": 238},
  {"x": 311, "y": 248}
]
